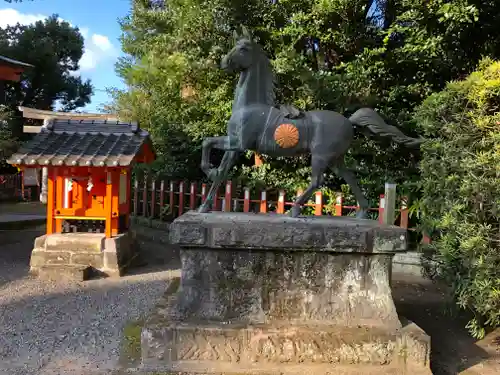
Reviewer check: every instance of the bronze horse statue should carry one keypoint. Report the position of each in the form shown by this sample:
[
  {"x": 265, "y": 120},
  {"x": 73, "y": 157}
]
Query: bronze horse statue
[{"x": 257, "y": 124}]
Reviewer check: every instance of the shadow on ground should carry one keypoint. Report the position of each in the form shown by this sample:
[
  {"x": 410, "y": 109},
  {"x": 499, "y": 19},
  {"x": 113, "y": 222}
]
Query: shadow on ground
[
  {"x": 453, "y": 350},
  {"x": 15, "y": 252}
]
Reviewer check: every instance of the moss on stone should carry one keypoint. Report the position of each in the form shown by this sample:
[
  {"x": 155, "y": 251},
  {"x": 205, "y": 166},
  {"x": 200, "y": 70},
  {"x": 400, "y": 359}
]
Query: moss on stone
[{"x": 130, "y": 353}]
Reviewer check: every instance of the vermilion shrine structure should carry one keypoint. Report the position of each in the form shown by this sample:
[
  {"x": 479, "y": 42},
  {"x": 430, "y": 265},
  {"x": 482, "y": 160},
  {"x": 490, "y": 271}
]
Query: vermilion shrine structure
[
  {"x": 89, "y": 168},
  {"x": 10, "y": 70}
]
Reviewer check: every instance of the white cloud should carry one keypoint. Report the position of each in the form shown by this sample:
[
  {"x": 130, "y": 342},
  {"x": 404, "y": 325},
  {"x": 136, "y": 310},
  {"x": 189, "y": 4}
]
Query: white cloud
[
  {"x": 88, "y": 60},
  {"x": 96, "y": 49},
  {"x": 11, "y": 16},
  {"x": 85, "y": 32},
  {"x": 102, "y": 42}
]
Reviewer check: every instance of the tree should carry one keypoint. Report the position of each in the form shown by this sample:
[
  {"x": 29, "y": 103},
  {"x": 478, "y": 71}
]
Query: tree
[
  {"x": 54, "y": 48},
  {"x": 338, "y": 55},
  {"x": 461, "y": 190}
]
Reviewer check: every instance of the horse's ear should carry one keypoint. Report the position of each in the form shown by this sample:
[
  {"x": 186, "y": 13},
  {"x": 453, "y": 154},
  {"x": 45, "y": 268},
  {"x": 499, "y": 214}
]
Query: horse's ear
[
  {"x": 235, "y": 36},
  {"x": 246, "y": 33}
]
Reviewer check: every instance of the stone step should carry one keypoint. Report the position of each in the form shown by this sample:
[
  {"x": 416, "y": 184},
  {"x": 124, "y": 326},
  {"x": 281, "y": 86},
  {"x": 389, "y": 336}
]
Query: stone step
[
  {"x": 42, "y": 257},
  {"x": 84, "y": 242},
  {"x": 63, "y": 272}
]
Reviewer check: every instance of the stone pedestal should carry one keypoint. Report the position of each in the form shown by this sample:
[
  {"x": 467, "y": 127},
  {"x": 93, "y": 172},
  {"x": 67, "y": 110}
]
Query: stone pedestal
[
  {"x": 269, "y": 294},
  {"x": 79, "y": 255}
]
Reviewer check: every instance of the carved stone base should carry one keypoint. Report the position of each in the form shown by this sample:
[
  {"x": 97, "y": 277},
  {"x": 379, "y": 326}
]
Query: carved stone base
[
  {"x": 279, "y": 348},
  {"x": 268, "y": 294}
]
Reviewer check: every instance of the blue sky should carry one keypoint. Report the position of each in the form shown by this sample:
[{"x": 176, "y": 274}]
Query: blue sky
[{"x": 98, "y": 22}]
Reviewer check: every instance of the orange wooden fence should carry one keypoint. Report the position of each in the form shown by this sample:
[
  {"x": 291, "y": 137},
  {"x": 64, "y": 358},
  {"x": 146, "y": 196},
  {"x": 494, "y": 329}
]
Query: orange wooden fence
[{"x": 169, "y": 199}]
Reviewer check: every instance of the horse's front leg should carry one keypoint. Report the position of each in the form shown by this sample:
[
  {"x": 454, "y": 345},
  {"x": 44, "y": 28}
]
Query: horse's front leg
[
  {"x": 207, "y": 146},
  {"x": 217, "y": 174},
  {"x": 221, "y": 174}
]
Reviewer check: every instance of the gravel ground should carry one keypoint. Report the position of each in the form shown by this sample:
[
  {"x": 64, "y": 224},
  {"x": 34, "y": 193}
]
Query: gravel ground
[
  {"x": 51, "y": 328},
  {"x": 57, "y": 329}
]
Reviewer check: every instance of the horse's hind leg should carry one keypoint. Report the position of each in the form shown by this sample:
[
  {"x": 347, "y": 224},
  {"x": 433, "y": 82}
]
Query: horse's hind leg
[
  {"x": 350, "y": 179},
  {"x": 318, "y": 165}
]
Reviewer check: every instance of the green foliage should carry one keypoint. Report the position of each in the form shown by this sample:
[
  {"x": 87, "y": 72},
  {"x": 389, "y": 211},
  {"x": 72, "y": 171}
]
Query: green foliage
[
  {"x": 390, "y": 58},
  {"x": 8, "y": 143},
  {"x": 461, "y": 190},
  {"x": 54, "y": 48}
]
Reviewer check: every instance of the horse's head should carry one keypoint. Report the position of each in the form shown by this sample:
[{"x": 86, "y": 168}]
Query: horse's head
[{"x": 243, "y": 55}]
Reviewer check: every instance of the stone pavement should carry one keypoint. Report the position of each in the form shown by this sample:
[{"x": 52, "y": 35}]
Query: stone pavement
[
  {"x": 9, "y": 218},
  {"x": 20, "y": 215}
]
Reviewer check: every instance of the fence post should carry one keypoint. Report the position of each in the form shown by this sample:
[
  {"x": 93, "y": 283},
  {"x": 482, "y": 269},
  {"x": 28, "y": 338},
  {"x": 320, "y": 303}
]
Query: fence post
[
  {"x": 390, "y": 203},
  {"x": 263, "y": 202},
  {"x": 181, "y": 198},
  {"x": 145, "y": 197},
  {"x": 299, "y": 193},
  {"x": 192, "y": 196},
  {"x": 228, "y": 196},
  {"x": 246, "y": 200},
  {"x": 171, "y": 198},
  {"x": 381, "y": 208},
  {"x": 318, "y": 207},
  {"x": 153, "y": 198},
  {"x": 281, "y": 202},
  {"x": 203, "y": 193},
  {"x": 136, "y": 196},
  {"x": 404, "y": 213},
  {"x": 216, "y": 203},
  {"x": 162, "y": 197},
  {"x": 338, "y": 204}
]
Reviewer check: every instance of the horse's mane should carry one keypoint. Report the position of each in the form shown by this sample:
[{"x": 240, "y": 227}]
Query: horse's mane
[{"x": 270, "y": 81}]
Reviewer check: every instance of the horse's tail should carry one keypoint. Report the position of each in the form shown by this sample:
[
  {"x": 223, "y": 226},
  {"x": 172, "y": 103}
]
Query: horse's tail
[{"x": 368, "y": 119}]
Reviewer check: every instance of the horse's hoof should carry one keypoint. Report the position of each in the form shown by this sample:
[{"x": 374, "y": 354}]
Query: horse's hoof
[
  {"x": 362, "y": 214},
  {"x": 204, "y": 208},
  {"x": 295, "y": 211}
]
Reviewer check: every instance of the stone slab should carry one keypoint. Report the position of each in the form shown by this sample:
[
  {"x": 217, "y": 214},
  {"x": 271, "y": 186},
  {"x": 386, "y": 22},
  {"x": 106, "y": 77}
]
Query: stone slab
[
  {"x": 279, "y": 232},
  {"x": 106, "y": 256},
  {"x": 235, "y": 347},
  {"x": 84, "y": 242},
  {"x": 62, "y": 272},
  {"x": 40, "y": 257}
]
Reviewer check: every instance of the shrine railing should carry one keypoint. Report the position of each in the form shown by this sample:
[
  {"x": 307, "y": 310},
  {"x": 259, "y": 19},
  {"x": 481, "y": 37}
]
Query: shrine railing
[{"x": 166, "y": 200}]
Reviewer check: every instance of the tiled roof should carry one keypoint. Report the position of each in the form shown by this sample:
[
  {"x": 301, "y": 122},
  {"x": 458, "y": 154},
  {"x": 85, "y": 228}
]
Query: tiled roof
[
  {"x": 83, "y": 143},
  {"x": 14, "y": 62}
]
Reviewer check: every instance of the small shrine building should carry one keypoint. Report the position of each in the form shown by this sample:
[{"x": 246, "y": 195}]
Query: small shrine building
[{"x": 89, "y": 186}]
